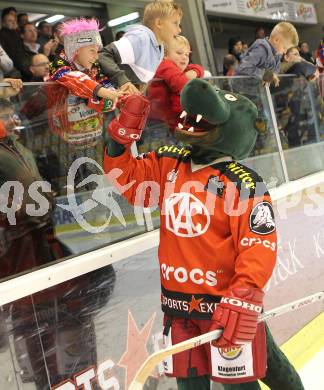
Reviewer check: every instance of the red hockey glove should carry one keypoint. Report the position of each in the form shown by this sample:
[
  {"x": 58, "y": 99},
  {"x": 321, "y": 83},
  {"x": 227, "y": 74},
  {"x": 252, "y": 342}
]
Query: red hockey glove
[
  {"x": 128, "y": 127},
  {"x": 237, "y": 313}
]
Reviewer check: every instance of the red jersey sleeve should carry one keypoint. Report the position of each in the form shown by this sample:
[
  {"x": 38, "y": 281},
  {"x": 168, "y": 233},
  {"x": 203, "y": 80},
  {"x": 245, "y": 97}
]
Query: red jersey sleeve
[
  {"x": 76, "y": 82},
  {"x": 254, "y": 233},
  {"x": 136, "y": 178},
  {"x": 172, "y": 75},
  {"x": 197, "y": 68}
]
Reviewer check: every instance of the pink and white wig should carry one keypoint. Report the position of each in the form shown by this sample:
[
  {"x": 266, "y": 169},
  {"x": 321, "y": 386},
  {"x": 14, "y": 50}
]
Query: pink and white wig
[
  {"x": 77, "y": 25},
  {"x": 78, "y": 33}
]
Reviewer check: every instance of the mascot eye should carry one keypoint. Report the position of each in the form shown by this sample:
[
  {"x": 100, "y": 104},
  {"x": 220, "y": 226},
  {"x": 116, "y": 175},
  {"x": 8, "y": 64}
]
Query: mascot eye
[{"x": 230, "y": 97}]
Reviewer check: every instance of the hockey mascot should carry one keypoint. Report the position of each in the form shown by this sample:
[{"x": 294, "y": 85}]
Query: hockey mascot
[{"x": 217, "y": 236}]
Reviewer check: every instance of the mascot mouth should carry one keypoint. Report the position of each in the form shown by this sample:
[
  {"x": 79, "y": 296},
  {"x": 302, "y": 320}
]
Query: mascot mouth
[
  {"x": 216, "y": 122},
  {"x": 194, "y": 125}
]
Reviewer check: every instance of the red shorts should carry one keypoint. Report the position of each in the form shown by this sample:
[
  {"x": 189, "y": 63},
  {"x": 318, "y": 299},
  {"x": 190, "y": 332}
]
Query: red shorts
[{"x": 225, "y": 365}]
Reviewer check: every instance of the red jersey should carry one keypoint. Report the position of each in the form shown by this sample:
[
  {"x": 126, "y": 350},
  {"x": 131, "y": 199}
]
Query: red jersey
[
  {"x": 75, "y": 111},
  {"x": 217, "y": 227},
  {"x": 164, "y": 90}
]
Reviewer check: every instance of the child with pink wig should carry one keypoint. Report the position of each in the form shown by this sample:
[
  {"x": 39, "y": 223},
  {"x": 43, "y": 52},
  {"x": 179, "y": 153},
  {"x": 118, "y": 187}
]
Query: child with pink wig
[{"x": 76, "y": 109}]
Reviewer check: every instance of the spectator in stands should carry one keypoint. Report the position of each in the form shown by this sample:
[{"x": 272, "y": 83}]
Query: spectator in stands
[
  {"x": 11, "y": 42},
  {"x": 320, "y": 56},
  {"x": 132, "y": 61},
  {"x": 235, "y": 47},
  {"x": 263, "y": 57},
  {"x": 175, "y": 71},
  {"x": 245, "y": 47},
  {"x": 44, "y": 33},
  {"x": 83, "y": 86},
  {"x": 28, "y": 34},
  {"x": 294, "y": 127},
  {"x": 10, "y": 11},
  {"x": 293, "y": 63},
  {"x": 8, "y": 117},
  {"x": 9, "y": 19},
  {"x": 22, "y": 19},
  {"x": 305, "y": 53},
  {"x": 119, "y": 35},
  {"x": 230, "y": 65},
  {"x": 291, "y": 56},
  {"x": 260, "y": 33},
  {"x": 6, "y": 64},
  {"x": 39, "y": 67},
  {"x": 59, "y": 41}
]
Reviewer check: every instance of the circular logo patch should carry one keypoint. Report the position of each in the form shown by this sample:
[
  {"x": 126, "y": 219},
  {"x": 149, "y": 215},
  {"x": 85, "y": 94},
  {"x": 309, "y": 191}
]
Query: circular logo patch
[
  {"x": 230, "y": 353},
  {"x": 186, "y": 215},
  {"x": 262, "y": 219},
  {"x": 121, "y": 131}
]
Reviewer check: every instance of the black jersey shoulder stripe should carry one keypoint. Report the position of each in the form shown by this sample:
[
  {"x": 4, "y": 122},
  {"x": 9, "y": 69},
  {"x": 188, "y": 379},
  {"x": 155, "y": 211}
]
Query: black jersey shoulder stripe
[
  {"x": 247, "y": 181},
  {"x": 175, "y": 152}
]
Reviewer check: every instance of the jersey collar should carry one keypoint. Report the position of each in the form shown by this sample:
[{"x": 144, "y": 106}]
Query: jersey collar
[{"x": 197, "y": 167}]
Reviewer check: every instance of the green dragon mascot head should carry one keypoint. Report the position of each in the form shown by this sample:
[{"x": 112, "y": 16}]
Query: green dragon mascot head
[{"x": 217, "y": 123}]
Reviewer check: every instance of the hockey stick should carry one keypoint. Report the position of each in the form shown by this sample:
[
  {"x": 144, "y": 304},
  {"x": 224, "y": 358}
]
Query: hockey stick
[{"x": 154, "y": 359}]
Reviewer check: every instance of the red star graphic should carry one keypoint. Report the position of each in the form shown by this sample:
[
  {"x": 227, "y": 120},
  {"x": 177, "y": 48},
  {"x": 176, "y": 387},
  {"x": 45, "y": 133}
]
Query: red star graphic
[
  {"x": 194, "y": 304},
  {"x": 136, "y": 351}
]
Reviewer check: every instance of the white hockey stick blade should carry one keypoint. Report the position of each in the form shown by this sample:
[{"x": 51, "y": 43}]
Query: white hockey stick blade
[{"x": 153, "y": 360}]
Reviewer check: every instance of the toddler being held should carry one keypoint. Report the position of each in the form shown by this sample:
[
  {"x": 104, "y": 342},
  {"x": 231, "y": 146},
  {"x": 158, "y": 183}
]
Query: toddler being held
[{"x": 171, "y": 76}]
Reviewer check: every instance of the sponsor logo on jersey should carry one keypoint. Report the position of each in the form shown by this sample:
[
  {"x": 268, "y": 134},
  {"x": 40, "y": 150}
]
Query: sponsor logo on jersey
[
  {"x": 197, "y": 305},
  {"x": 182, "y": 275},
  {"x": 262, "y": 219},
  {"x": 79, "y": 112},
  {"x": 246, "y": 241},
  {"x": 230, "y": 353},
  {"x": 242, "y": 174},
  {"x": 174, "y": 149},
  {"x": 186, "y": 215}
]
